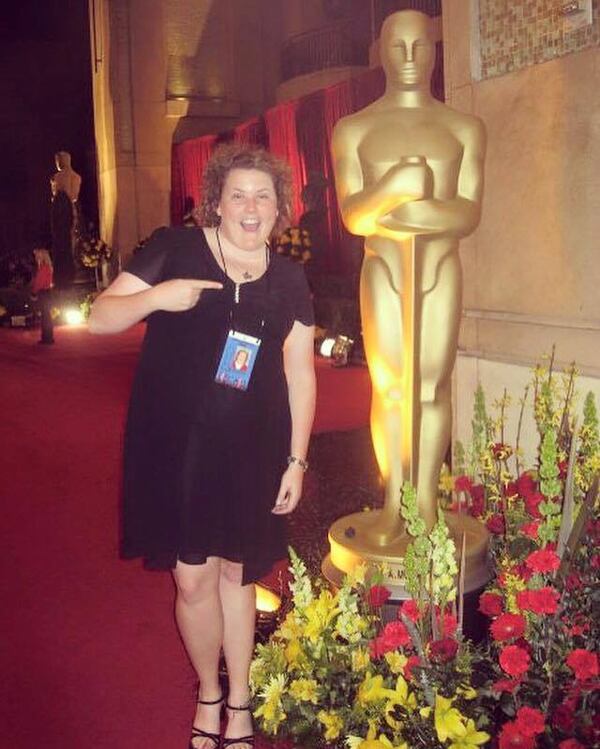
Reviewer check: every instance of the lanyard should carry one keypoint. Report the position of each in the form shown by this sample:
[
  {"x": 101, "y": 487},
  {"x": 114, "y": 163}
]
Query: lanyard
[{"x": 236, "y": 294}]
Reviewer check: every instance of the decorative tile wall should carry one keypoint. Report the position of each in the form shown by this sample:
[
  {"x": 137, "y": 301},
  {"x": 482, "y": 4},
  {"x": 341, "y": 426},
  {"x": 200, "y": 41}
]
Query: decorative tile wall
[{"x": 518, "y": 33}]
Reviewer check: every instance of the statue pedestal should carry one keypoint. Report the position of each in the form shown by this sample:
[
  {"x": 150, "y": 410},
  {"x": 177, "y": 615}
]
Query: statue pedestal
[{"x": 350, "y": 545}]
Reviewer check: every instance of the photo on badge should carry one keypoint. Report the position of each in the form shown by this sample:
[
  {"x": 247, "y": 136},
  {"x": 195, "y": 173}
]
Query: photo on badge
[{"x": 237, "y": 360}]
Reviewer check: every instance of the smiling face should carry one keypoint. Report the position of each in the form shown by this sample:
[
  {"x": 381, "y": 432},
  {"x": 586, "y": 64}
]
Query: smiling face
[
  {"x": 408, "y": 49},
  {"x": 248, "y": 208}
]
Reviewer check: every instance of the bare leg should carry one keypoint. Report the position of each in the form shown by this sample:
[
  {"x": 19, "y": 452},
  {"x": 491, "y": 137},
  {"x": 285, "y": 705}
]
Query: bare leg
[
  {"x": 200, "y": 620},
  {"x": 239, "y": 615}
]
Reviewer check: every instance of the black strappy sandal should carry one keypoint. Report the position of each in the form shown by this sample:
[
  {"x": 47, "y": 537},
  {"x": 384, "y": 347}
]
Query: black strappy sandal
[
  {"x": 248, "y": 740},
  {"x": 200, "y": 733}
]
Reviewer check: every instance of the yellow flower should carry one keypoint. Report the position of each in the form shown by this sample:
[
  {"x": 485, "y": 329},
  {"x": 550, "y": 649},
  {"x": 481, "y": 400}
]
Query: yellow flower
[
  {"x": 304, "y": 690},
  {"x": 332, "y": 722},
  {"x": 290, "y": 628},
  {"x": 349, "y": 626},
  {"x": 396, "y": 661},
  {"x": 319, "y": 614},
  {"x": 467, "y": 691},
  {"x": 293, "y": 653},
  {"x": 271, "y": 709},
  {"x": 472, "y": 738},
  {"x": 446, "y": 483},
  {"x": 401, "y": 695},
  {"x": 371, "y": 690},
  {"x": 357, "y": 575},
  {"x": 360, "y": 659},
  {"x": 381, "y": 743},
  {"x": 448, "y": 720}
]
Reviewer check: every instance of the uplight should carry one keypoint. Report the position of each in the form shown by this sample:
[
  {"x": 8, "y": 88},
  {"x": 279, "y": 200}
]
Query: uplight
[
  {"x": 327, "y": 347},
  {"x": 73, "y": 316}
]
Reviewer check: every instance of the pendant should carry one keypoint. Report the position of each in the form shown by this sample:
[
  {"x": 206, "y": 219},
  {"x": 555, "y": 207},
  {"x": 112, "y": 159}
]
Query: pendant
[{"x": 247, "y": 276}]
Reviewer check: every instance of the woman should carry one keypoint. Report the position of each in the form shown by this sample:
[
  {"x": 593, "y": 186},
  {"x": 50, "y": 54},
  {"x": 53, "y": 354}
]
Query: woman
[
  {"x": 41, "y": 288},
  {"x": 210, "y": 469}
]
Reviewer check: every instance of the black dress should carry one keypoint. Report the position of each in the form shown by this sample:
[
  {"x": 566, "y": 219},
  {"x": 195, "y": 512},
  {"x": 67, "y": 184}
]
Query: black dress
[{"x": 203, "y": 461}]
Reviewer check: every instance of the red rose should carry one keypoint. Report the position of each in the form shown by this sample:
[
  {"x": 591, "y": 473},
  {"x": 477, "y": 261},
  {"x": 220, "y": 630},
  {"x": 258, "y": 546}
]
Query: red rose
[
  {"x": 563, "y": 718},
  {"x": 505, "y": 685},
  {"x": 543, "y": 560},
  {"x": 395, "y": 635},
  {"x": 462, "y": 484},
  {"x": 410, "y": 609},
  {"x": 583, "y": 663},
  {"x": 508, "y": 627},
  {"x": 514, "y": 660},
  {"x": 530, "y": 720},
  {"x": 530, "y": 529},
  {"x": 526, "y": 485},
  {"x": 449, "y": 625},
  {"x": 512, "y": 737},
  {"x": 491, "y": 604},
  {"x": 570, "y": 744},
  {"x": 378, "y": 595},
  {"x": 444, "y": 649},
  {"x": 563, "y": 466},
  {"x": 413, "y": 660},
  {"x": 541, "y": 601},
  {"x": 522, "y": 571},
  {"x": 495, "y": 524},
  {"x": 532, "y": 502}
]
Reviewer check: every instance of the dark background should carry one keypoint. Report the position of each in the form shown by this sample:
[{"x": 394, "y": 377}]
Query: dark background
[{"x": 45, "y": 106}]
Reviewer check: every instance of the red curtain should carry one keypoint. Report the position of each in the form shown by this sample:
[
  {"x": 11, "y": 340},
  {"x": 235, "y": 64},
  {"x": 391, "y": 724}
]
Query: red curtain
[
  {"x": 283, "y": 141},
  {"x": 188, "y": 160},
  {"x": 253, "y": 132}
]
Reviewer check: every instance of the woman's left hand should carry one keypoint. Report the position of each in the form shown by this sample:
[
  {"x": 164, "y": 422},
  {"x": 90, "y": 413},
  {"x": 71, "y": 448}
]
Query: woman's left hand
[{"x": 290, "y": 490}]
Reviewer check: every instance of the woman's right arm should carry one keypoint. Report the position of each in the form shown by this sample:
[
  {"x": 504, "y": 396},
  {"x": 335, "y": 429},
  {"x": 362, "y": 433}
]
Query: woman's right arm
[{"x": 129, "y": 299}]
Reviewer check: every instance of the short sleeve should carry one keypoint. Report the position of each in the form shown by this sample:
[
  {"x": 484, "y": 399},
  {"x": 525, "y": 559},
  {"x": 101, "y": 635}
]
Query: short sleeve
[
  {"x": 149, "y": 261},
  {"x": 302, "y": 298}
]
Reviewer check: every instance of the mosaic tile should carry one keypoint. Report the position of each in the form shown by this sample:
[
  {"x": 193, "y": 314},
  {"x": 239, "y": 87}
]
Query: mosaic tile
[{"x": 515, "y": 35}]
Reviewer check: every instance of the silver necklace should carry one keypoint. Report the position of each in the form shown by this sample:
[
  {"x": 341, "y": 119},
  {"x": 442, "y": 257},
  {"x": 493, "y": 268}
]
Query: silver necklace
[{"x": 246, "y": 275}]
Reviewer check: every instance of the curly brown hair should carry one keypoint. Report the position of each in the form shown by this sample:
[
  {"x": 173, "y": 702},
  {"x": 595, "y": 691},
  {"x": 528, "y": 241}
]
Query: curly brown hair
[{"x": 230, "y": 156}]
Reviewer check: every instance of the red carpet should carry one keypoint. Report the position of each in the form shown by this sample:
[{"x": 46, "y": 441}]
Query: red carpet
[{"x": 90, "y": 654}]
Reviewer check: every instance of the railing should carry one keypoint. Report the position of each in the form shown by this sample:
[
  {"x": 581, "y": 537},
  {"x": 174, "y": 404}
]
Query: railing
[
  {"x": 346, "y": 42},
  {"x": 342, "y": 44}
]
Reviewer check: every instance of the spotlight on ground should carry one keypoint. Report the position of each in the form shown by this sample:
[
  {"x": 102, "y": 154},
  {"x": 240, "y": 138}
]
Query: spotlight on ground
[
  {"x": 326, "y": 347},
  {"x": 267, "y": 602},
  {"x": 73, "y": 316}
]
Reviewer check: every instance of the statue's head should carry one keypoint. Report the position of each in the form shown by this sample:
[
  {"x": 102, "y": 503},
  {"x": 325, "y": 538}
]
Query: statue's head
[
  {"x": 62, "y": 160},
  {"x": 407, "y": 46}
]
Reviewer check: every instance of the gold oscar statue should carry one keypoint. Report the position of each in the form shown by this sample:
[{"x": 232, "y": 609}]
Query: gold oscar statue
[{"x": 409, "y": 178}]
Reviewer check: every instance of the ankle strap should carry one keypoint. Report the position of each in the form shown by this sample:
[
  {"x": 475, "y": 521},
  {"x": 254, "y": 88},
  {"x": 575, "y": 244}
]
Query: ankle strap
[
  {"x": 211, "y": 702},
  {"x": 238, "y": 707}
]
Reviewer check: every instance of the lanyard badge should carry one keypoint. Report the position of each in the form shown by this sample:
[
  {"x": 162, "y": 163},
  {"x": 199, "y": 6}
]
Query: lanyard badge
[
  {"x": 240, "y": 349},
  {"x": 237, "y": 360}
]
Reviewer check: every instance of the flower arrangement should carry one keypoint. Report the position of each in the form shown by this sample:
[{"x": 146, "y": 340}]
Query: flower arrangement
[
  {"x": 346, "y": 668},
  {"x": 544, "y": 601},
  {"x": 92, "y": 251}
]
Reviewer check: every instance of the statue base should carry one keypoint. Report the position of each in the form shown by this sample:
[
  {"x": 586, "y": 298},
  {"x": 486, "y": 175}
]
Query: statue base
[{"x": 350, "y": 544}]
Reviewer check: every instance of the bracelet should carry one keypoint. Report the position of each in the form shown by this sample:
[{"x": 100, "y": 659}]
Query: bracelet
[{"x": 302, "y": 463}]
